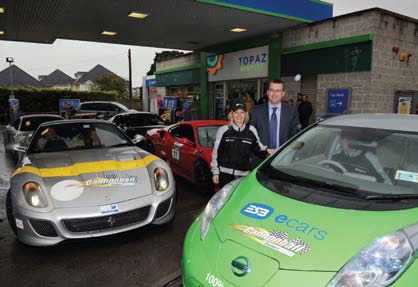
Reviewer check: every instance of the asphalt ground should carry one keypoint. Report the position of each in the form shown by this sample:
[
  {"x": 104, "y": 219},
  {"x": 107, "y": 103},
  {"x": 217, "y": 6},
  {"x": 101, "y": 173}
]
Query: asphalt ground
[{"x": 148, "y": 256}]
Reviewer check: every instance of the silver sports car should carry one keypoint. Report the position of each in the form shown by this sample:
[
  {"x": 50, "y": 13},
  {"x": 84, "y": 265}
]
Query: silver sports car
[
  {"x": 85, "y": 178},
  {"x": 16, "y": 133}
]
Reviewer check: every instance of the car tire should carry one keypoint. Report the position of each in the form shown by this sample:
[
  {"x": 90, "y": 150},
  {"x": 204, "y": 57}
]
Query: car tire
[
  {"x": 203, "y": 178},
  {"x": 10, "y": 213}
]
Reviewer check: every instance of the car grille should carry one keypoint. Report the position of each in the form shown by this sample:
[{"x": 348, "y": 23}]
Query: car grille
[
  {"x": 107, "y": 222},
  {"x": 43, "y": 228},
  {"x": 163, "y": 208}
]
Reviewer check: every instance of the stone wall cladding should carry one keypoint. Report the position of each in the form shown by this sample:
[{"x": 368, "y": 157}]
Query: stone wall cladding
[
  {"x": 186, "y": 60},
  {"x": 372, "y": 91}
]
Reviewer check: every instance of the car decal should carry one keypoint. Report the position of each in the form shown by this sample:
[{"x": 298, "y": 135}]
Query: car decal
[
  {"x": 87, "y": 167},
  {"x": 66, "y": 190},
  {"x": 106, "y": 209},
  {"x": 257, "y": 210},
  {"x": 275, "y": 239}
]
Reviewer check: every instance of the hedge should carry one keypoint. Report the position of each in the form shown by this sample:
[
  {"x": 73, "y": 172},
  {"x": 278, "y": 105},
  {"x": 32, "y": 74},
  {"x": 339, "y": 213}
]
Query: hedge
[{"x": 47, "y": 100}]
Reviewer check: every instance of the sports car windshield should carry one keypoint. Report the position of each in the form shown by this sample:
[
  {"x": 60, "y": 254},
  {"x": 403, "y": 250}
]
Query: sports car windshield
[
  {"x": 371, "y": 164},
  {"x": 77, "y": 136},
  {"x": 207, "y": 135}
]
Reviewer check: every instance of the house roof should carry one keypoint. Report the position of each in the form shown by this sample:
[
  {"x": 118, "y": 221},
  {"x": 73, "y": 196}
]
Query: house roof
[
  {"x": 20, "y": 78},
  {"x": 97, "y": 72},
  {"x": 57, "y": 78}
]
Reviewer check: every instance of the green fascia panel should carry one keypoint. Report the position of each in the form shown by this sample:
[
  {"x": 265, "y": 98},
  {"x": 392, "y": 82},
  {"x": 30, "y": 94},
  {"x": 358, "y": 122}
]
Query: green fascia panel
[
  {"x": 179, "y": 78},
  {"x": 329, "y": 44},
  {"x": 255, "y": 10},
  {"x": 275, "y": 49},
  {"x": 190, "y": 67},
  {"x": 204, "y": 100},
  {"x": 323, "y": 2}
]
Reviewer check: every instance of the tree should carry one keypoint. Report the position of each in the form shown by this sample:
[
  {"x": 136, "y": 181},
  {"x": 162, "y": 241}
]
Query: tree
[
  {"x": 163, "y": 56},
  {"x": 112, "y": 82}
]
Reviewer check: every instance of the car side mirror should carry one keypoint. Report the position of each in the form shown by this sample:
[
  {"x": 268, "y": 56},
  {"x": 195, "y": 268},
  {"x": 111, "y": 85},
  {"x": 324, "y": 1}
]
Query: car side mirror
[
  {"x": 185, "y": 141},
  {"x": 162, "y": 134},
  {"x": 138, "y": 139}
]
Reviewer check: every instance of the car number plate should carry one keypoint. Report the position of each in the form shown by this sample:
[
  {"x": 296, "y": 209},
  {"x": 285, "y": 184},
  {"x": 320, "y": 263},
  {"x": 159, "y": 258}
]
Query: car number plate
[{"x": 106, "y": 209}]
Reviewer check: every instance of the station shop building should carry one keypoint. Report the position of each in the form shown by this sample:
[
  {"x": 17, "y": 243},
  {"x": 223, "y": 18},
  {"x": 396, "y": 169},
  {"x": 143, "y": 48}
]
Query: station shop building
[{"x": 360, "y": 62}]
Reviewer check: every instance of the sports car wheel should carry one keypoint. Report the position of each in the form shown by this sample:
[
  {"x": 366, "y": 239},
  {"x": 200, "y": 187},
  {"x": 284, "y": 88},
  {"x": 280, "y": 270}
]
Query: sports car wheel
[
  {"x": 9, "y": 211},
  {"x": 203, "y": 178}
]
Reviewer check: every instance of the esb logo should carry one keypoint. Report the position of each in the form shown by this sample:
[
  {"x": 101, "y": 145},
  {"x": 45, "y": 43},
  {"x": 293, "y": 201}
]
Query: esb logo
[{"x": 257, "y": 210}]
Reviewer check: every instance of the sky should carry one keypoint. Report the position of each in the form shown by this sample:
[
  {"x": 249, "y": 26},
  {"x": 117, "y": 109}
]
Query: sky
[{"x": 73, "y": 56}]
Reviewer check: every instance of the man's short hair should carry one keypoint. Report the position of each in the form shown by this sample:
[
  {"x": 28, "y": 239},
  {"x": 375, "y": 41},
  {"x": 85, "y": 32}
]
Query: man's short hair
[{"x": 276, "y": 81}]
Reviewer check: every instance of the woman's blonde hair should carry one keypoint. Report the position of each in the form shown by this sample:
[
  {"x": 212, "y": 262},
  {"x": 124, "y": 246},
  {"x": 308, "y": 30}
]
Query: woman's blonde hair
[{"x": 246, "y": 117}]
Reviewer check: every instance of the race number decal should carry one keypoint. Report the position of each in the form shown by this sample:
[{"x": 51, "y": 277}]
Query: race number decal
[
  {"x": 214, "y": 281},
  {"x": 175, "y": 152}
]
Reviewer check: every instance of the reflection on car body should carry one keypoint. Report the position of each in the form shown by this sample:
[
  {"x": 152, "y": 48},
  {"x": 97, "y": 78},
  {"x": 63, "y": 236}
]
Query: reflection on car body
[
  {"x": 344, "y": 189},
  {"x": 84, "y": 178},
  {"x": 187, "y": 146}
]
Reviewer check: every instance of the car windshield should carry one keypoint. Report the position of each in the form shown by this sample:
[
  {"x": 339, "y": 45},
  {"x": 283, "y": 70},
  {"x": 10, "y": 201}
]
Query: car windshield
[
  {"x": 143, "y": 120},
  {"x": 32, "y": 123},
  {"x": 76, "y": 136},
  {"x": 207, "y": 135},
  {"x": 362, "y": 162}
]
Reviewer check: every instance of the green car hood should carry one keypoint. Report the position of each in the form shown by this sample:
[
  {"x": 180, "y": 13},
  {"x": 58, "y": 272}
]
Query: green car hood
[{"x": 299, "y": 235}]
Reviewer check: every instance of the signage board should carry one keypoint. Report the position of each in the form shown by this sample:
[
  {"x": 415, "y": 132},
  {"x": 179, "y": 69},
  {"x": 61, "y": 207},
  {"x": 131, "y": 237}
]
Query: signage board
[
  {"x": 338, "y": 100},
  {"x": 151, "y": 83},
  {"x": 404, "y": 105},
  {"x": 244, "y": 64}
]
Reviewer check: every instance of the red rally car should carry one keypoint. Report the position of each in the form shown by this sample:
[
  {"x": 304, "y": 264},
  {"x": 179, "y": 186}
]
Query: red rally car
[{"x": 187, "y": 146}]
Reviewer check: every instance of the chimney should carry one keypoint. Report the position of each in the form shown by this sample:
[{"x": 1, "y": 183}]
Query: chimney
[{"x": 78, "y": 75}]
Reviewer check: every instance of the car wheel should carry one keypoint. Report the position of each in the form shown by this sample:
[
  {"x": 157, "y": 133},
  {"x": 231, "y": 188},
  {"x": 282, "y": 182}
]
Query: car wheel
[
  {"x": 203, "y": 178},
  {"x": 9, "y": 211}
]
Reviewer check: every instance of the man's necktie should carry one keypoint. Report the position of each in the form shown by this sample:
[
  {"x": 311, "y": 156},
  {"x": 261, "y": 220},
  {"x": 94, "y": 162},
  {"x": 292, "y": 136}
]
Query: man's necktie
[{"x": 273, "y": 129}]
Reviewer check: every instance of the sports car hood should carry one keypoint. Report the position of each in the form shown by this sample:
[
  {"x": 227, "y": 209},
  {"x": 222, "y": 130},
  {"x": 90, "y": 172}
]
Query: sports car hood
[
  {"x": 86, "y": 178},
  {"x": 299, "y": 235}
]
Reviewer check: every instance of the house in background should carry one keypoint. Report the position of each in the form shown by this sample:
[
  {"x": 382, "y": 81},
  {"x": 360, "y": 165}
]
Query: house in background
[
  {"x": 57, "y": 80},
  {"x": 85, "y": 81},
  {"x": 21, "y": 79}
]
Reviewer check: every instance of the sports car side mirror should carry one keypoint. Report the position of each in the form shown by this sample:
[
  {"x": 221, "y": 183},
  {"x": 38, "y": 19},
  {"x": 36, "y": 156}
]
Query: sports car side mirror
[{"x": 138, "y": 139}]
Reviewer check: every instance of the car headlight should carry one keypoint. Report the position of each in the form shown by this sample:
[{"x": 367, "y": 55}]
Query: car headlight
[
  {"x": 377, "y": 265},
  {"x": 34, "y": 195},
  {"x": 161, "y": 179},
  {"x": 215, "y": 204}
]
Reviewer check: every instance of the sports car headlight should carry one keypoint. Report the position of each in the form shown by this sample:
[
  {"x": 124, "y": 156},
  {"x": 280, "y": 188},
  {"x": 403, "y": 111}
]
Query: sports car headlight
[
  {"x": 34, "y": 195},
  {"x": 377, "y": 265},
  {"x": 161, "y": 179},
  {"x": 215, "y": 205}
]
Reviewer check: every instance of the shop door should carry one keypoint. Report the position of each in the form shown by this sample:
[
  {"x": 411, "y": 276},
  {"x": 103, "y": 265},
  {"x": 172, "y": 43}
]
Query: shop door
[
  {"x": 238, "y": 90},
  {"x": 308, "y": 86}
]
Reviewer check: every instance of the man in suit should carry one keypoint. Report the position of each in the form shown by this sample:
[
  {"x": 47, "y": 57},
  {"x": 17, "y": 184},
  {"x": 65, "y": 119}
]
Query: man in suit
[{"x": 275, "y": 122}]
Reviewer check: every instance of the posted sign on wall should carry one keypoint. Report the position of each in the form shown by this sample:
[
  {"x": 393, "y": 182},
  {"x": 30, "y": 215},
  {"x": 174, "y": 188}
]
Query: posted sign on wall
[
  {"x": 338, "y": 101},
  {"x": 245, "y": 64}
]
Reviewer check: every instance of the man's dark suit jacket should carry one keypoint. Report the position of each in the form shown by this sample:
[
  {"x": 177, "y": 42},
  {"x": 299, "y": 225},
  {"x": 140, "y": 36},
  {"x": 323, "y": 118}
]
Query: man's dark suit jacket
[{"x": 289, "y": 122}]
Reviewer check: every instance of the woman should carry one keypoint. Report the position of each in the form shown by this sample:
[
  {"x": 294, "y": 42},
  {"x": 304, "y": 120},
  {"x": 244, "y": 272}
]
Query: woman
[{"x": 233, "y": 146}]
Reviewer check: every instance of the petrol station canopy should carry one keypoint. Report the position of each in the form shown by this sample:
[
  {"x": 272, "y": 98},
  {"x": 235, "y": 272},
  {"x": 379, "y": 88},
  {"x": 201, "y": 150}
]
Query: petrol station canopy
[{"x": 174, "y": 24}]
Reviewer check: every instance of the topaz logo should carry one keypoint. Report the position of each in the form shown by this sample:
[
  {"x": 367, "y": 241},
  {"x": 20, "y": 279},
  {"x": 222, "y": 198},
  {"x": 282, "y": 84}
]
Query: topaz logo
[{"x": 257, "y": 210}]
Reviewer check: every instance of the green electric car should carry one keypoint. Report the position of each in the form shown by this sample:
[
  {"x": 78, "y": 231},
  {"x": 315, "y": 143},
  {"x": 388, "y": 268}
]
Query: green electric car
[{"x": 336, "y": 206}]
